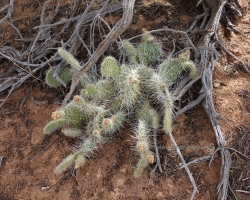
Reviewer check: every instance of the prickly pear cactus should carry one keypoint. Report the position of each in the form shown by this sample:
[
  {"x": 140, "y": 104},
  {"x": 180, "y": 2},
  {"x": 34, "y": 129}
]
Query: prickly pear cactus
[{"x": 134, "y": 89}]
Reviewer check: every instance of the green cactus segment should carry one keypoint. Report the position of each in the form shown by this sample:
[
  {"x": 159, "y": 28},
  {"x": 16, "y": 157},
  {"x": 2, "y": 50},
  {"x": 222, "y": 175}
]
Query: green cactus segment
[
  {"x": 159, "y": 88},
  {"x": 167, "y": 121},
  {"x": 131, "y": 52},
  {"x": 141, "y": 165},
  {"x": 145, "y": 158},
  {"x": 72, "y": 132},
  {"x": 58, "y": 114},
  {"x": 74, "y": 115},
  {"x": 66, "y": 76},
  {"x": 142, "y": 112},
  {"x": 142, "y": 137},
  {"x": 69, "y": 58},
  {"x": 66, "y": 163},
  {"x": 109, "y": 67},
  {"x": 170, "y": 69},
  {"x": 88, "y": 145},
  {"x": 147, "y": 37},
  {"x": 89, "y": 91},
  {"x": 114, "y": 123},
  {"x": 155, "y": 121},
  {"x": 105, "y": 89},
  {"x": 190, "y": 66},
  {"x": 116, "y": 105},
  {"x": 54, "y": 125},
  {"x": 129, "y": 86},
  {"x": 148, "y": 114},
  {"x": 85, "y": 79},
  {"x": 148, "y": 52},
  {"x": 80, "y": 161},
  {"x": 87, "y": 108}
]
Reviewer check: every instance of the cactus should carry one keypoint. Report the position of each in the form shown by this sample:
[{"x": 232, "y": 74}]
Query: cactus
[
  {"x": 105, "y": 89},
  {"x": 142, "y": 137},
  {"x": 171, "y": 68},
  {"x": 67, "y": 162},
  {"x": 113, "y": 124},
  {"x": 129, "y": 86},
  {"x": 72, "y": 132},
  {"x": 145, "y": 159},
  {"x": 131, "y": 52},
  {"x": 90, "y": 90},
  {"x": 66, "y": 76},
  {"x": 149, "y": 50},
  {"x": 74, "y": 115},
  {"x": 167, "y": 121},
  {"x": 54, "y": 125},
  {"x": 109, "y": 67},
  {"x": 70, "y": 59},
  {"x": 58, "y": 114},
  {"x": 141, "y": 165},
  {"x": 123, "y": 92},
  {"x": 190, "y": 66},
  {"x": 80, "y": 161}
]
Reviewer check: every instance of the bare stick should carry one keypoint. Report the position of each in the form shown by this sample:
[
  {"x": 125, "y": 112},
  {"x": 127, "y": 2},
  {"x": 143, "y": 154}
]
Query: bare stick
[
  {"x": 231, "y": 54},
  {"x": 195, "y": 190},
  {"x": 10, "y": 10},
  {"x": 90, "y": 16},
  {"x": 45, "y": 148},
  {"x": 196, "y": 161},
  {"x": 243, "y": 191},
  {"x": 158, "y": 161},
  {"x": 190, "y": 105}
]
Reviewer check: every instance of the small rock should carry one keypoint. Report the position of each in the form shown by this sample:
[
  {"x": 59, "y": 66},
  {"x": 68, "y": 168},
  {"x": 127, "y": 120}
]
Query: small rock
[
  {"x": 216, "y": 85},
  {"x": 45, "y": 188},
  {"x": 159, "y": 195}
]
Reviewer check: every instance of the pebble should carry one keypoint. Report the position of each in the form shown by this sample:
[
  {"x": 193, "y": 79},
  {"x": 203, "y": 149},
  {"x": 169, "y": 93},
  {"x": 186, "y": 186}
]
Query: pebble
[
  {"x": 45, "y": 188},
  {"x": 216, "y": 85}
]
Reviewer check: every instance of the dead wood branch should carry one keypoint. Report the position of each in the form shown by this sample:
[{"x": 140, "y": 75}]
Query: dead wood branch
[{"x": 9, "y": 13}]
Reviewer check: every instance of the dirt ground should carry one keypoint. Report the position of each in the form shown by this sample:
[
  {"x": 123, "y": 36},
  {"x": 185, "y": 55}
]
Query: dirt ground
[{"x": 27, "y": 169}]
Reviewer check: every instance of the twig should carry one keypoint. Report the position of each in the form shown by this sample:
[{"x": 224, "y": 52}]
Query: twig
[
  {"x": 190, "y": 105},
  {"x": 196, "y": 161},
  {"x": 243, "y": 191},
  {"x": 90, "y": 16},
  {"x": 195, "y": 189},
  {"x": 10, "y": 10},
  {"x": 45, "y": 148},
  {"x": 158, "y": 161},
  {"x": 231, "y": 54},
  {"x": 23, "y": 101},
  {"x": 17, "y": 136},
  {"x": 1, "y": 160}
]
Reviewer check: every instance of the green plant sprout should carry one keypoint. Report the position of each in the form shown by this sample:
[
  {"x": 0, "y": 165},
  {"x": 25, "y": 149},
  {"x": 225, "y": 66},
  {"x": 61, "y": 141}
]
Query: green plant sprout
[{"x": 131, "y": 89}]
